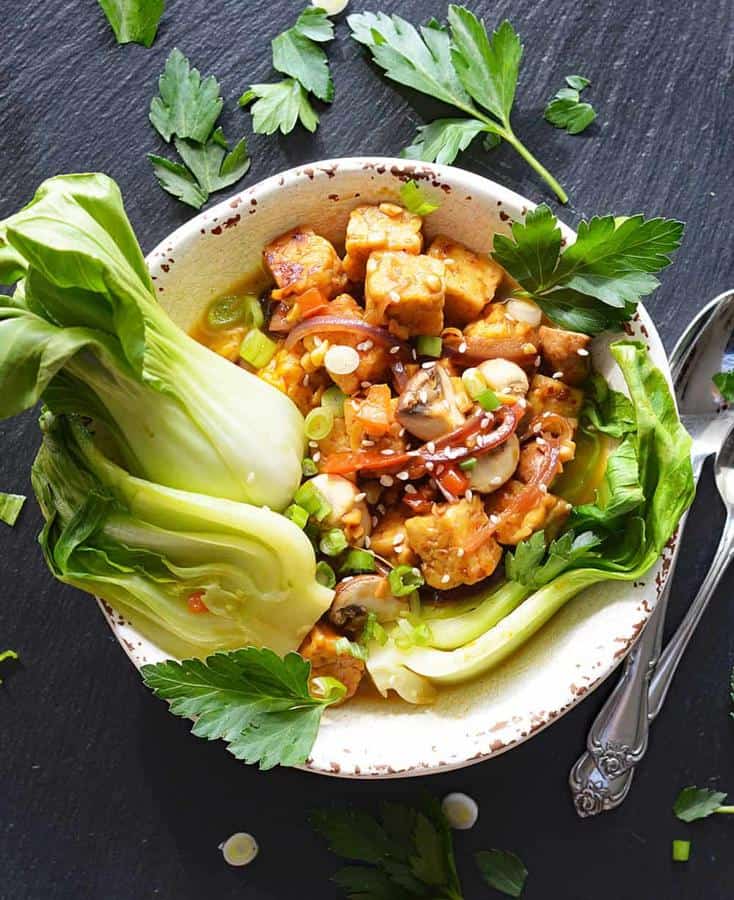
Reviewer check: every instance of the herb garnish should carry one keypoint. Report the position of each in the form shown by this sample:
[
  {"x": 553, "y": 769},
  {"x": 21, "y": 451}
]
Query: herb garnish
[
  {"x": 533, "y": 565},
  {"x": 7, "y": 654},
  {"x": 461, "y": 65},
  {"x": 257, "y": 702},
  {"x": 567, "y": 111},
  {"x": 415, "y": 200},
  {"x": 133, "y": 21},
  {"x": 186, "y": 111},
  {"x": 503, "y": 871},
  {"x": 407, "y": 852},
  {"x": 10, "y": 507},
  {"x": 699, "y": 803},
  {"x": 296, "y": 53},
  {"x": 595, "y": 283},
  {"x": 724, "y": 382}
]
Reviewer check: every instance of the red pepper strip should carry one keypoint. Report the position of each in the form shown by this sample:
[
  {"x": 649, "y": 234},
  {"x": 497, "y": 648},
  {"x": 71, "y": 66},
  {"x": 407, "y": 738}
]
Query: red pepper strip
[
  {"x": 452, "y": 482},
  {"x": 443, "y": 450}
]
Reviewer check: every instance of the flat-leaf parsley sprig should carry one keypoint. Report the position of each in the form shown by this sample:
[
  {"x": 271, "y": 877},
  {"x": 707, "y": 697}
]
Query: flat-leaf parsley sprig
[
  {"x": 566, "y": 110},
  {"x": 257, "y": 702},
  {"x": 461, "y": 65},
  {"x": 296, "y": 53},
  {"x": 596, "y": 282}
]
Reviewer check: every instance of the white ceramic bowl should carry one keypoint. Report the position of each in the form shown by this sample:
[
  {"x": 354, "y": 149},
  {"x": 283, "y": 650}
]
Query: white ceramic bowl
[{"x": 581, "y": 645}]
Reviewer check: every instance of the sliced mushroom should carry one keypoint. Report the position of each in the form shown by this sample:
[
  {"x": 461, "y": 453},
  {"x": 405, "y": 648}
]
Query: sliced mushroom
[
  {"x": 427, "y": 407},
  {"x": 504, "y": 376},
  {"x": 358, "y": 596},
  {"x": 341, "y": 495},
  {"x": 496, "y": 467}
]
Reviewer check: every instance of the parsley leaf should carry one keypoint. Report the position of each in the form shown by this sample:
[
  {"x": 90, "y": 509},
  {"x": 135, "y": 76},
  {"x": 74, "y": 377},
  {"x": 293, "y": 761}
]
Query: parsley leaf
[
  {"x": 257, "y": 702},
  {"x": 526, "y": 565},
  {"x": 10, "y": 507},
  {"x": 503, "y": 871},
  {"x": 724, "y": 382},
  {"x": 279, "y": 106},
  {"x": 565, "y": 109},
  {"x": 408, "y": 852},
  {"x": 188, "y": 106},
  {"x": 296, "y": 53},
  {"x": 697, "y": 803},
  {"x": 461, "y": 65},
  {"x": 595, "y": 283},
  {"x": 415, "y": 201},
  {"x": 7, "y": 654},
  {"x": 133, "y": 21}
]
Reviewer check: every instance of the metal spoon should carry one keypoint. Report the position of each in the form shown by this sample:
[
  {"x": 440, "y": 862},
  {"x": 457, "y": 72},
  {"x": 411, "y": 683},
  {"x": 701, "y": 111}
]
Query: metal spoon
[{"x": 617, "y": 740}]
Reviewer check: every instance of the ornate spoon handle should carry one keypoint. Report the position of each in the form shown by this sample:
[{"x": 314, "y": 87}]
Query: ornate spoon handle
[{"x": 618, "y": 737}]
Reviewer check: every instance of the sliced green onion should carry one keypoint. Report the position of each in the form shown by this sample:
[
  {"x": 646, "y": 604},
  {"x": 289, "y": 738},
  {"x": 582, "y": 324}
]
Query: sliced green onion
[
  {"x": 373, "y": 631},
  {"x": 257, "y": 349},
  {"x": 345, "y": 647},
  {"x": 681, "y": 851},
  {"x": 309, "y": 467},
  {"x": 474, "y": 382},
  {"x": 415, "y": 201},
  {"x": 226, "y": 311},
  {"x": 297, "y": 514},
  {"x": 488, "y": 400},
  {"x": 468, "y": 464},
  {"x": 404, "y": 580},
  {"x": 333, "y": 399},
  {"x": 318, "y": 423},
  {"x": 427, "y": 345},
  {"x": 312, "y": 500},
  {"x": 254, "y": 315},
  {"x": 313, "y": 533},
  {"x": 10, "y": 507},
  {"x": 358, "y": 561},
  {"x": 408, "y": 636},
  {"x": 333, "y": 542},
  {"x": 325, "y": 574}
]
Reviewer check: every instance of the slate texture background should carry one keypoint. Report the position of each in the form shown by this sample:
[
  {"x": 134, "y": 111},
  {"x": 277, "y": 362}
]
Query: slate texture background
[{"x": 102, "y": 793}]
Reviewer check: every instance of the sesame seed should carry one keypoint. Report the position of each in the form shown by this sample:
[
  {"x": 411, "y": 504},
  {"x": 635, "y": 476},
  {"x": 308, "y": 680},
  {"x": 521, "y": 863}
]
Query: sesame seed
[
  {"x": 366, "y": 442},
  {"x": 386, "y": 480},
  {"x": 494, "y": 519},
  {"x": 495, "y": 480},
  {"x": 395, "y": 349},
  {"x": 423, "y": 396},
  {"x": 401, "y": 432},
  {"x": 316, "y": 457},
  {"x": 394, "y": 296},
  {"x": 427, "y": 365},
  {"x": 375, "y": 520},
  {"x": 431, "y": 447},
  {"x": 448, "y": 261},
  {"x": 429, "y": 466},
  {"x": 306, "y": 379},
  {"x": 317, "y": 341},
  {"x": 460, "y": 552},
  {"x": 543, "y": 488},
  {"x": 381, "y": 506},
  {"x": 582, "y": 351},
  {"x": 367, "y": 541},
  {"x": 387, "y": 452},
  {"x": 445, "y": 578},
  {"x": 403, "y": 476},
  {"x": 537, "y": 360},
  {"x": 365, "y": 345},
  {"x": 398, "y": 539},
  {"x": 410, "y": 489},
  {"x": 557, "y": 375},
  {"x": 359, "y": 497},
  {"x": 485, "y": 422},
  {"x": 510, "y": 318},
  {"x": 313, "y": 443},
  {"x": 365, "y": 384},
  {"x": 398, "y": 548},
  {"x": 468, "y": 495},
  {"x": 462, "y": 347}
]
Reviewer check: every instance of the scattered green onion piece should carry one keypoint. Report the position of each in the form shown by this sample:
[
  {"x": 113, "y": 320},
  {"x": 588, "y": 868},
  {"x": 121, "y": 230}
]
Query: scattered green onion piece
[
  {"x": 226, "y": 311},
  {"x": 427, "y": 345},
  {"x": 488, "y": 400},
  {"x": 297, "y": 514},
  {"x": 357, "y": 562},
  {"x": 404, "y": 580},
  {"x": 333, "y": 399},
  {"x": 318, "y": 423},
  {"x": 415, "y": 201},
  {"x": 254, "y": 315},
  {"x": 333, "y": 542},
  {"x": 10, "y": 507},
  {"x": 474, "y": 383},
  {"x": 325, "y": 574},
  {"x": 373, "y": 631},
  {"x": 309, "y": 467},
  {"x": 681, "y": 851},
  {"x": 257, "y": 349},
  {"x": 468, "y": 464},
  {"x": 345, "y": 647},
  {"x": 421, "y": 634},
  {"x": 408, "y": 636},
  {"x": 312, "y": 500}
]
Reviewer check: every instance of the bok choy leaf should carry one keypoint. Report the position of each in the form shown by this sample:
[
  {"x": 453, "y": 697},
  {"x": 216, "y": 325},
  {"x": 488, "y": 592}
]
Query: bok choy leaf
[
  {"x": 150, "y": 551},
  {"x": 84, "y": 332}
]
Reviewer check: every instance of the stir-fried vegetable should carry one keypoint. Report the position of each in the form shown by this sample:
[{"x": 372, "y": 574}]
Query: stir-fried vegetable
[
  {"x": 248, "y": 574},
  {"x": 84, "y": 332}
]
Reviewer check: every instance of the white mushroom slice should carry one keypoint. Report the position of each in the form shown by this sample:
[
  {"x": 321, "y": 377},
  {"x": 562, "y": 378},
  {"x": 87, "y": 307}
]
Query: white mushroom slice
[
  {"x": 427, "y": 407},
  {"x": 341, "y": 495},
  {"x": 495, "y": 468},
  {"x": 504, "y": 377},
  {"x": 358, "y": 596},
  {"x": 524, "y": 311}
]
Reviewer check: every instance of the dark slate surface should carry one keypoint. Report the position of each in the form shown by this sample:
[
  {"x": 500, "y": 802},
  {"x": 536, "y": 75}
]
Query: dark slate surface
[{"x": 102, "y": 793}]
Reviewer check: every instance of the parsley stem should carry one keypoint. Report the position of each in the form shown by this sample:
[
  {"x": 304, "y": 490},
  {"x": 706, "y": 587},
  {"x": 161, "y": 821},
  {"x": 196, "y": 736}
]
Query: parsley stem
[
  {"x": 725, "y": 809},
  {"x": 509, "y": 136}
]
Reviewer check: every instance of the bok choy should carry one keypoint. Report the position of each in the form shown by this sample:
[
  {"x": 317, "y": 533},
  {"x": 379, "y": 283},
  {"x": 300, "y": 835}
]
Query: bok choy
[
  {"x": 647, "y": 486},
  {"x": 85, "y": 333},
  {"x": 195, "y": 574}
]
